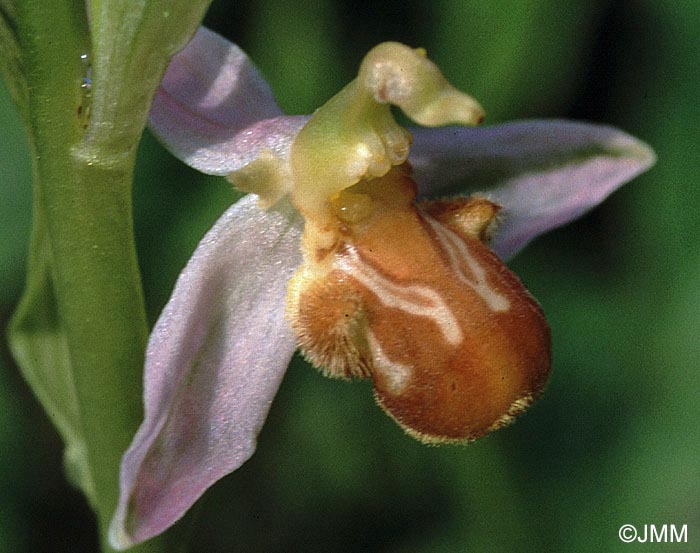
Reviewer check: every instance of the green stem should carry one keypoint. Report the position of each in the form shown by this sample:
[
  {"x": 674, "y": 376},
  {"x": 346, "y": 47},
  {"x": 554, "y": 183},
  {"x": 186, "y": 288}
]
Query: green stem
[
  {"x": 85, "y": 205},
  {"x": 84, "y": 149},
  {"x": 99, "y": 299}
]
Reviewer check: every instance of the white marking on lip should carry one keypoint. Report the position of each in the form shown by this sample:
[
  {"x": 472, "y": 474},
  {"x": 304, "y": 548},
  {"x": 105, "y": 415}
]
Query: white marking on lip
[
  {"x": 414, "y": 299},
  {"x": 456, "y": 249},
  {"x": 397, "y": 374}
]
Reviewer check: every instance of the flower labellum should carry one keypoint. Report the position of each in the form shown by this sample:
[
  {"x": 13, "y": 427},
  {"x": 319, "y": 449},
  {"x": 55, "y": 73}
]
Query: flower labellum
[{"x": 357, "y": 246}]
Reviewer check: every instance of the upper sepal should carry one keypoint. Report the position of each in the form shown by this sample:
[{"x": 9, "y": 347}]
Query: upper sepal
[
  {"x": 214, "y": 110},
  {"x": 213, "y": 365},
  {"x": 543, "y": 173}
]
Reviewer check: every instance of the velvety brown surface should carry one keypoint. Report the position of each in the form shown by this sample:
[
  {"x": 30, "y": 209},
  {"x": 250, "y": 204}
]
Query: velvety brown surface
[{"x": 377, "y": 310}]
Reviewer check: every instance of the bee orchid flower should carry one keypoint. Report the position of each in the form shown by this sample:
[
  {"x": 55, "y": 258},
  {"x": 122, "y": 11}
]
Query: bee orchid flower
[{"x": 357, "y": 246}]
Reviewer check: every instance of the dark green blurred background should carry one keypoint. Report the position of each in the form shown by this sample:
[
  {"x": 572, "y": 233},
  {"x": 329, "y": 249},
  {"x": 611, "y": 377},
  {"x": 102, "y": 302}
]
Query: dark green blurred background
[{"x": 616, "y": 438}]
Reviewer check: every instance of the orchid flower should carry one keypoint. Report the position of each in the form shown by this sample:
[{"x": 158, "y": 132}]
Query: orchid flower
[{"x": 343, "y": 251}]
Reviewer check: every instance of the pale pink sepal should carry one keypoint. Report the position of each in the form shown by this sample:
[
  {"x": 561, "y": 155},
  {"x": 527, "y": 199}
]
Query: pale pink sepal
[
  {"x": 543, "y": 173},
  {"x": 215, "y": 112},
  {"x": 214, "y": 362}
]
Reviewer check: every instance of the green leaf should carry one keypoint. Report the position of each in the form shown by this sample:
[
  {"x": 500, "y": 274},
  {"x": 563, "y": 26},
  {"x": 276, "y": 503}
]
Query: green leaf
[
  {"x": 11, "y": 64},
  {"x": 133, "y": 41},
  {"x": 40, "y": 345}
]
